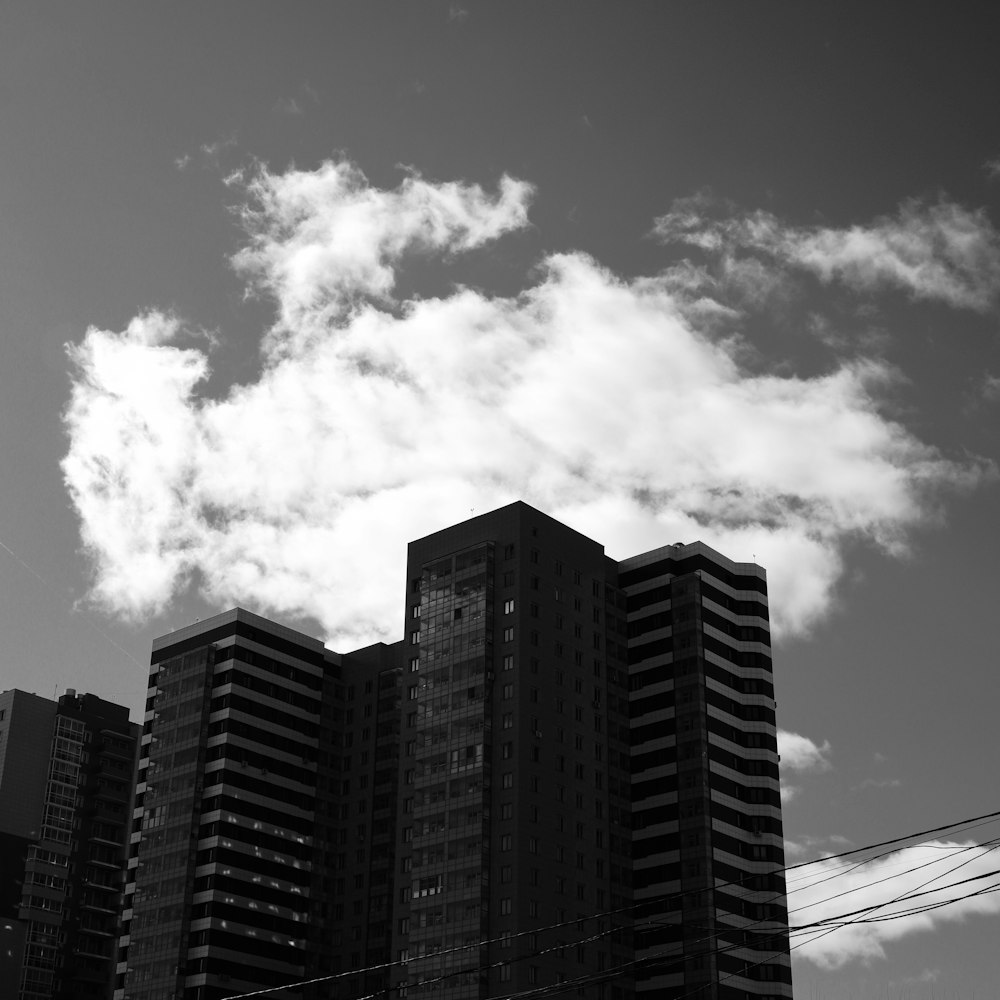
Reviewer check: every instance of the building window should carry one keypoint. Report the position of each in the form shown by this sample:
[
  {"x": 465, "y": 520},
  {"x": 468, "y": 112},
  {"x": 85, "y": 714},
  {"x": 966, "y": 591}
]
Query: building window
[
  {"x": 508, "y": 606},
  {"x": 506, "y": 810},
  {"x": 508, "y": 551},
  {"x": 507, "y": 751},
  {"x": 508, "y": 779},
  {"x": 505, "y": 842},
  {"x": 505, "y": 906},
  {"x": 508, "y": 691},
  {"x": 508, "y": 720},
  {"x": 505, "y": 873},
  {"x": 414, "y": 638},
  {"x": 508, "y": 662},
  {"x": 414, "y": 664},
  {"x": 508, "y": 635},
  {"x": 415, "y": 611}
]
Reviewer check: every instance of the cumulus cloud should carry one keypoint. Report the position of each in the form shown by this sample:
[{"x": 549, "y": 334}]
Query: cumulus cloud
[
  {"x": 799, "y": 753},
  {"x": 935, "y": 251},
  {"x": 608, "y": 402},
  {"x": 321, "y": 241},
  {"x": 862, "y": 909}
]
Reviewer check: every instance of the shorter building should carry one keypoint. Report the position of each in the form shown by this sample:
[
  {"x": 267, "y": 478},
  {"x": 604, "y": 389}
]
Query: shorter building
[{"x": 67, "y": 772}]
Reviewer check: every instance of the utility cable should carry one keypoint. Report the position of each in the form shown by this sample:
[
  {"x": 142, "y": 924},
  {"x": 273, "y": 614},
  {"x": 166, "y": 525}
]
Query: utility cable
[{"x": 980, "y": 819}]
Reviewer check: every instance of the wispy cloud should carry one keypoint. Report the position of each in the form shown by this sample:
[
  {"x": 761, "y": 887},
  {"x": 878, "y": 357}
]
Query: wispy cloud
[
  {"x": 208, "y": 154},
  {"x": 992, "y": 168},
  {"x": 989, "y": 387},
  {"x": 288, "y": 106},
  {"x": 833, "y": 843},
  {"x": 606, "y": 401},
  {"x": 879, "y": 783},
  {"x": 864, "y": 909},
  {"x": 295, "y": 106},
  {"x": 935, "y": 251}
]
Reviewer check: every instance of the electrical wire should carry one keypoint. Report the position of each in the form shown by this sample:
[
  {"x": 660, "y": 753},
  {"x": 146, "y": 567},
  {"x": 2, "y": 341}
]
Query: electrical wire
[{"x": 978, "y": 820}]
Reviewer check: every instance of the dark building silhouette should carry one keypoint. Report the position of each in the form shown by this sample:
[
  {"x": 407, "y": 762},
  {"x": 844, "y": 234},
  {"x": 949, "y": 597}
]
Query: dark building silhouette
[
  {"x": 563, "y": 777},
  {"x": 67, "y": 772},
  {"x": 707, "y": 846}
]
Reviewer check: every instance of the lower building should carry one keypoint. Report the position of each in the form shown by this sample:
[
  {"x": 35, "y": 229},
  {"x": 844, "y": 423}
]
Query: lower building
[
  {"x": 264, "y": 818},
  {"x": 67, "y": 772}
]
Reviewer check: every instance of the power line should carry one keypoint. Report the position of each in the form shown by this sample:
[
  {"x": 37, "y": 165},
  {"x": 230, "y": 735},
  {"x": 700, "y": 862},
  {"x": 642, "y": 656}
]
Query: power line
[{"x": 979, "y": 820}]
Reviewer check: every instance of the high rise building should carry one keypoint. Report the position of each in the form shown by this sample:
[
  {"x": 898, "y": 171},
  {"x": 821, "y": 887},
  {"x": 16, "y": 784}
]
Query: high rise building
[
  {"x": 707, "y": 846},
  {"x": 251, "y": 864},
  {"x": 515, "y": 762},
  {"x": 452, "y": 815},
  {"x": 67, "y": 771}
]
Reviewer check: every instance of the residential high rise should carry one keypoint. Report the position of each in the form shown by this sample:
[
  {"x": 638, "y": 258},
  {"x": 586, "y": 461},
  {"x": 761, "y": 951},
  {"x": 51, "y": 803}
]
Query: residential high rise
[
  {"x": 251, "y": 864},
  {"x": 452, "y": 814},
  {"x": 707, "y": 841},
  {"x": 67, "y": 771},
  {"x": 515, "y": 783},
  {"x": 219, "y": 869}
]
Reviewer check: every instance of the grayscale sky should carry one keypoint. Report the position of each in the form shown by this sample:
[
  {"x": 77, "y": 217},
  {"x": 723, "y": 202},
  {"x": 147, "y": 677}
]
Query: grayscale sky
[{"x": 285, "y": 286}]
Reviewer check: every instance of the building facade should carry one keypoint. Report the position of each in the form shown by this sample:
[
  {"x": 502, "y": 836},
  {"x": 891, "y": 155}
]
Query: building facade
[
  {"x": 515, "y": 763},
  {"x": 707, "y": 845},
  {"x": 264, "y": 817},
  {"x": 67, "y": 772},
  {"x": 562, "y": 778}
]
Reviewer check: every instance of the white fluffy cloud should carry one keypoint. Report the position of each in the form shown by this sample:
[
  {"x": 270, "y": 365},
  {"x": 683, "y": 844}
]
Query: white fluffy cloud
[
  {"x": 606, "y": 402},
  {"x": 799, "y": 753},
  {"x": 940, "y": 251},
  {"x": 896, "y": 888}
]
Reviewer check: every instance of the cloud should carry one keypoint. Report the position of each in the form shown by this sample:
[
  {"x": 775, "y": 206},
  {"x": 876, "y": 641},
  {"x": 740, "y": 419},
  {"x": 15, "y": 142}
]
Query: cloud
[
  {"x": 827, "y": 890},
  {"x": 608, "y": 402},
  {"x": 989, "y": 388},
  {"x": 209, "y": 154},
  {"x": 288, "y": 106},
  {"x": 832, "y": 843},
  {"x": 799, "y": 753},
  {"x": 992, "y": 168},
  {"x": 322, "y": 241},
  {"x": 880, "y": 783},
  {"x": 935, "y": 251}
]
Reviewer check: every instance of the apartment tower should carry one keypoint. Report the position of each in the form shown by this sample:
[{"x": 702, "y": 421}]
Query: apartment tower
[
  {"x": 562, "y": 751},
  {"x": 515, "y": 764},
  {"x": 707, "y": 846},
  {"x": 261, "y": 845},
  {"x": 67, "y": 772}
]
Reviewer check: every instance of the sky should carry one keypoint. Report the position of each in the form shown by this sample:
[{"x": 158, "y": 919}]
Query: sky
[{"x": 282, "y": 288}]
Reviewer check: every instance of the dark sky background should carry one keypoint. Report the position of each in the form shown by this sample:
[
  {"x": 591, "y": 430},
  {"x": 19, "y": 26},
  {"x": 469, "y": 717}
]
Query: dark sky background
[{"x": 121, "y": 127}]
